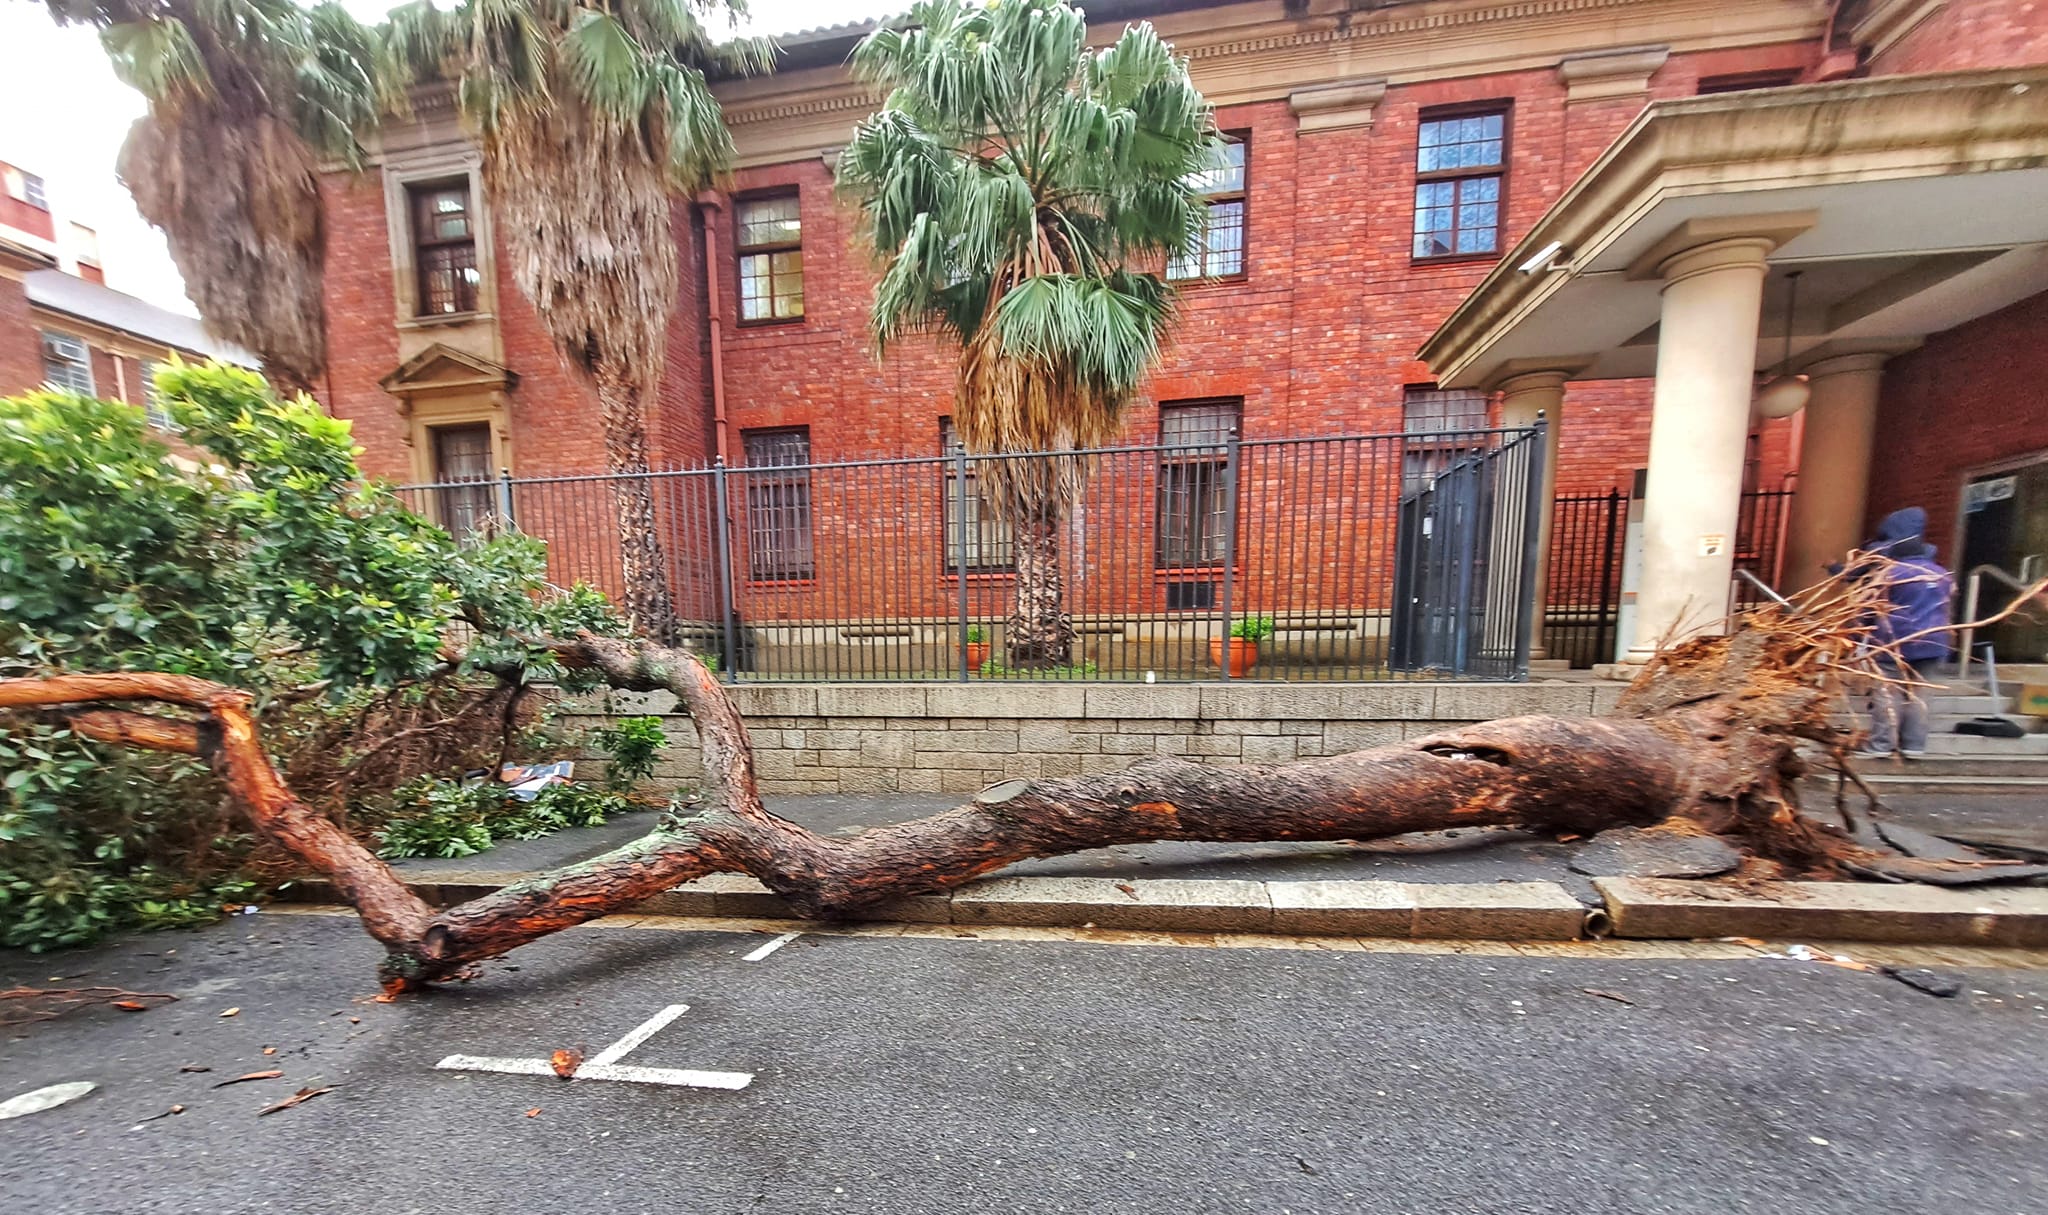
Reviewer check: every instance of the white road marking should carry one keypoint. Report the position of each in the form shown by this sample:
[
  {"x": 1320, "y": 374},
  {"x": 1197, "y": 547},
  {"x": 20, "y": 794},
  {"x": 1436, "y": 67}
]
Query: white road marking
[
  {"x": 772, "y": 946},
  {"x": 686, "y": 1077},
  {"x": 632, "y": 1041},
  {"x": 494, "y": 1063},
  {"x": 605, "y": 1064}
]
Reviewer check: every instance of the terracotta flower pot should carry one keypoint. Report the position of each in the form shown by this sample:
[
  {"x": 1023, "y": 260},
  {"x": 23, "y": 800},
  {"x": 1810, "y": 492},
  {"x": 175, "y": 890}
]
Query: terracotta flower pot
[
  {"x": 1243, "y": 654},
  {"x": 977, "y": 653}
]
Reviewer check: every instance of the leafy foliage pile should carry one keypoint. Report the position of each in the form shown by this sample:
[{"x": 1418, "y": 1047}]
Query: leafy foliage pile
[
  {"x": 266, "y": 563},
  {"x": 448, "y": 819}
]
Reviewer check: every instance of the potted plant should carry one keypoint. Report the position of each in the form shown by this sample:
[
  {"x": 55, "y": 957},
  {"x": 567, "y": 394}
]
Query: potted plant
[
  {"x": 977, "y": 647},
  {"x": 1244, "y": 640}
]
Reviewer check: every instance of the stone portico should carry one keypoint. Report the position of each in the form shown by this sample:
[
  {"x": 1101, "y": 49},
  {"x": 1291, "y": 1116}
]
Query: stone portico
[{"x": 1905, "y": 206}]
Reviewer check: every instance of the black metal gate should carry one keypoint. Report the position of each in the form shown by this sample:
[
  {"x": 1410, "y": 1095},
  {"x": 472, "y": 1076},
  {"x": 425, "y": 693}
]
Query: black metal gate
[
  {"x": 1588, "y": 535},
  {"x": 1464, "y": 567}
]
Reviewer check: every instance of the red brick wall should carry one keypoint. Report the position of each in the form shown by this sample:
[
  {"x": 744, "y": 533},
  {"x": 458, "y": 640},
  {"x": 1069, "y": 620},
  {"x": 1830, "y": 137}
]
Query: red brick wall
[
  {"x": 1970, "y": 34},
  {"x": 362, "y": 344},
  {"x": 1318, "y": 337},
  {"x": 18, "y": 214},
  {"x": 1968, "y": 397},
  {"x": 21, "y": 345}
]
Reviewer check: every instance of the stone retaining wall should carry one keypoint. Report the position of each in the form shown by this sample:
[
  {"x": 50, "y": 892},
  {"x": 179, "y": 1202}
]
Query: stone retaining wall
[{"x": 957, "y": 738}]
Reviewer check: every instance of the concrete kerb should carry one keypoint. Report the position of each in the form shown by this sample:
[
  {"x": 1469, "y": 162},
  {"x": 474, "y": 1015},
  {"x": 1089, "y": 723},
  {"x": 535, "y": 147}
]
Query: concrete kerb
[
  {"x": 1477, "y": 911},
  {"x": 1905, "y": 914},
  {"x": 1638, "y": 908}
]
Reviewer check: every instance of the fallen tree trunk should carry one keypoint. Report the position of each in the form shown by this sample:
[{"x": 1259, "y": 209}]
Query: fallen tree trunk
[{"x": 1709, "y": 731}]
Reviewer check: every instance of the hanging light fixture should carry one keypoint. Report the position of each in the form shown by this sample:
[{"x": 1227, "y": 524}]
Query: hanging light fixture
[{"x": 1784, "y": 394}]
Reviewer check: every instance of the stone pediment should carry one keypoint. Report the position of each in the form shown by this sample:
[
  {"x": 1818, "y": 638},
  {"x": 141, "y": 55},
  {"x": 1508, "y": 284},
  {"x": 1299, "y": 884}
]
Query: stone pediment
[{"x": 441, "y": 368}]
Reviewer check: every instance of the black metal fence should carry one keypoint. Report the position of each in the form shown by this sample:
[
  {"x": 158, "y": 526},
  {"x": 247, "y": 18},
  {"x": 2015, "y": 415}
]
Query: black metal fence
[
  {"x": 1588, "y": 535},
  {"x": 1319, "y": 551},
  {"x": 1584, "y": 597}
]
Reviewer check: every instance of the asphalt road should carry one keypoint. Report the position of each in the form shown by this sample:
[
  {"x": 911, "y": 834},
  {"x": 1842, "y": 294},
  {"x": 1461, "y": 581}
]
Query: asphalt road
[{"x": 913, "y": 1075}]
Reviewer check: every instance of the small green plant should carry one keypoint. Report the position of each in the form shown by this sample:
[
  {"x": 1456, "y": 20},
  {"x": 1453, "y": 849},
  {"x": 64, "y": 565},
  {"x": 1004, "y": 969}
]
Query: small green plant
[
  {"x": 994, "y": 669},
  {"x": 1253, "y": 628},
  {"x": 634, "y": 745},
  {"x": 976, "y": 635}
]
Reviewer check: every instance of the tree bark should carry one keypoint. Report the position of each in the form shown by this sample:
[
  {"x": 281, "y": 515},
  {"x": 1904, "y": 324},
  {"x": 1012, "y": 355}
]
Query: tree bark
[
  {"x": 1709, "y": 732},
  {"x": 642, "y": 557},
  {"x": 1040, "y": 632}
]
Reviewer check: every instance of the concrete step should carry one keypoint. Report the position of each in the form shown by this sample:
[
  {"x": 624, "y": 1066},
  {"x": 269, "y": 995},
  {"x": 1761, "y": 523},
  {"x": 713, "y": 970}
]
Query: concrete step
[
  {"x": 2008, "y": 774},
  {"x": 1968, "y": 706},
  {"x": 1946, "y": 723},
  {"x": 1976, "y": 744}
]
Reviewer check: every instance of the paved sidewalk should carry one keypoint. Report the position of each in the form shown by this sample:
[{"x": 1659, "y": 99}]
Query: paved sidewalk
[{"x": 1468, "y": 856}]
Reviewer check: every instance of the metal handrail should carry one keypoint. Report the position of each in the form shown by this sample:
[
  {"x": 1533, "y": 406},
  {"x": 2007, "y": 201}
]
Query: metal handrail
[
  {"x": 1759, "y": 584},
  {"x": 1970, "y": 595}
]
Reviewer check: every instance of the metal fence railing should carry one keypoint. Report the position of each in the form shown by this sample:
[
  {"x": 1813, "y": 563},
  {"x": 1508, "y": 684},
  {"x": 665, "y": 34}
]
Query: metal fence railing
[
  {"x": 910, "y": 569},
  {"x": 1580, "y": 605},
  {"x": 1588, "y": 535}
]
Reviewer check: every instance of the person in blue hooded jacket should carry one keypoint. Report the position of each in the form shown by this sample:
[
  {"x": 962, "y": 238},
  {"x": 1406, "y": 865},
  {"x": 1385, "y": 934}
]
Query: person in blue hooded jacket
[{"x": 1919, "y": 589}]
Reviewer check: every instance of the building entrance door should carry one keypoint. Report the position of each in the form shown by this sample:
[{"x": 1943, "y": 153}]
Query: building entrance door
[{"x": 2005, "y": 523}]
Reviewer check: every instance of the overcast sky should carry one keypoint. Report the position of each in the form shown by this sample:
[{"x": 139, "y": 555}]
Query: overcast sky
[{"x": 63, "y": 116}]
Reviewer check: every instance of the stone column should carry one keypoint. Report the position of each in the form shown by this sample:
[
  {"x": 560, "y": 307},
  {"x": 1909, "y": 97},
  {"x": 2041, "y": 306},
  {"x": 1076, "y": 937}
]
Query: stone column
[
  {"x": 1523, "y": 397},
  {"x": 1699, "y": 423},
  {"x": 1834, "y": 465}
]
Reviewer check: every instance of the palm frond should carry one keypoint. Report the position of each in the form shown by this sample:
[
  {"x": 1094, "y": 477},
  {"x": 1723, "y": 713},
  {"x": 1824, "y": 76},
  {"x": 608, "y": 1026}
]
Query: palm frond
[{"x": 1021, "y": 192}]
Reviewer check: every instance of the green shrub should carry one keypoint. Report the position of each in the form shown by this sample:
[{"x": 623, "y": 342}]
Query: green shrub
[
  {"x": 275, "y": 567},
  {"x": 634, "y": 745}
]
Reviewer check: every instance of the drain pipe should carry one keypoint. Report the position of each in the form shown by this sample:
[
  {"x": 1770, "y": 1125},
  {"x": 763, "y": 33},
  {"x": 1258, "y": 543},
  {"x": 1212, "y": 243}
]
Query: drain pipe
[{"x": 714, "y": 312}]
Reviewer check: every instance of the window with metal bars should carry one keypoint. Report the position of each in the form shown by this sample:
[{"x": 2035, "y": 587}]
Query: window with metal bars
[
  {"x": 1460, "y": 180},
  {"x": 154, "y": 411},
  {"x": 1194, "y": 507},
  {"x": 1432, "y": 418},
  {"x": 1220, "y": 250},
  {"x": 462, "y": 467},
  {"x": 778, "y": 504},
  {"x": 987, "y": 534},
  {"x": 67, "y": 363},
  {"x": 444, "y": 248},
  {"x": 771, "y": 253}
]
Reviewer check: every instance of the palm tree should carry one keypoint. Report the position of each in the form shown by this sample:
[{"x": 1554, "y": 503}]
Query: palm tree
[
  {"x": 246, "y": 98},
  {"x": 1022, "y": 191},
  {"x": 592, "y": 116}
]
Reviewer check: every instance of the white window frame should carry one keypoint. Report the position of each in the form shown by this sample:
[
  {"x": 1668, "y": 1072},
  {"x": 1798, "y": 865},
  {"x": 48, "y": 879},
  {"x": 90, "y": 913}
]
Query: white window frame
[
  {"x": 152, "y": 405},
  {"x": 53, "y": 344}
]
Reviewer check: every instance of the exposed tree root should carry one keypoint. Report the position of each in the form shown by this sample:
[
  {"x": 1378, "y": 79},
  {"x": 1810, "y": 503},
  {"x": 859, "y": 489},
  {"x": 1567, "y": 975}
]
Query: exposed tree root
[{"x": 1710, "y": 731}]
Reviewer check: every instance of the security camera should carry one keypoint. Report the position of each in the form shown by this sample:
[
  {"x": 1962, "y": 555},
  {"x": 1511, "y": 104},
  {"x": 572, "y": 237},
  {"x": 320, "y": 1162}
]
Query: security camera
[{"x": 1542, "y": 258}]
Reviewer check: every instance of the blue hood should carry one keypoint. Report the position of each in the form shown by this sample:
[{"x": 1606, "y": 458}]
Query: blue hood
[{"x": 1899, "y": 534}]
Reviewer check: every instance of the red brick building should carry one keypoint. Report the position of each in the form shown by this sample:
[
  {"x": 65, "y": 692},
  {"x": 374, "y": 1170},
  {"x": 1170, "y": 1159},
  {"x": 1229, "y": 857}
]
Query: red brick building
[
  {"x": 1390, "y": 156},
  {"x": 59, "y": 322}
]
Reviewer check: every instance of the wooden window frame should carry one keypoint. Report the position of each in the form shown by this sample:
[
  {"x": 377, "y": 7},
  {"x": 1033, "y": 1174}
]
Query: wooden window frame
[
  {"x": 779, "y": 572},
  {"x": 1184, "y": 458},
  {"x": 416, "y": 195},
  {"x": 1242, "y": 196},
  {"x": 469, "y": 499},
  {"x": 1435, "y": 450},
  {"x": 994, "y": 556},
  {"x": 742, "y": 251},
  {"x": 1742, "y": 82},
  {"x": 1501, "y": 172}
]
